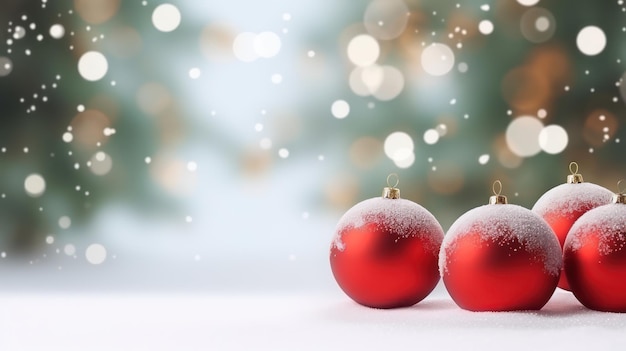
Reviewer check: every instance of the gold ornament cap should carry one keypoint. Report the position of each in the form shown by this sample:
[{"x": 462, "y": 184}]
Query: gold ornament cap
[
  {"x": 390, "y": 191},
  {"x": 619, "y": 197},
  {"x": 497, "y": 198},
  {"x": 575, "y": 177}
]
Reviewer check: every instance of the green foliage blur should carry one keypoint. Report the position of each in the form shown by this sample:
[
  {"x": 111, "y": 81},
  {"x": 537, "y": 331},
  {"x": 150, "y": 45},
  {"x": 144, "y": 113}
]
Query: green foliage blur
[
  {"x": 40, "y": 98},
  {"x": 511, "y": 72}
]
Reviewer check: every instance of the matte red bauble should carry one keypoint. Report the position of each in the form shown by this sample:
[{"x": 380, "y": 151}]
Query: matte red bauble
[
  {"x": 500, "y": 257},
  {"x": 595, "y": 257},
  {"x": 562, "y": 205},
  {"x": 385, "y": 251}
]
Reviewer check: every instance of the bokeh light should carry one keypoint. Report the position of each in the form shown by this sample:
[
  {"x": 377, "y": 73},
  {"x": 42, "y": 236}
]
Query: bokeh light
[
  {"x": 437, "y": 59},
  {"x": 166, "y": 17},
  {"x": 6, "y": 66},
  {"x": 431, "y": 136},
  {"x": 364, "y": 81},
  {"x": 553, "y": 139},
  {"x": 340, "y": 109},
  {"x": 96, "y": 254},
  {"x": 93, "y": 66},
  {"x": 249, "y": 46},
  {"x": 195, "y": 73},
  {"x": 283, "y": 153},
  {"x": 57, "y": 31},
  {"x": 485, "y": 27},
  {"x": 399, "y": 146},
  {"x": 35, "y": 185},
  {"x": 267, "y": 44},
  {"x": 69, "y": 249},
  {"x": 65, "y": 222},
  {"x": 405, "y": 162},
  {"x": 538, "y": 25},
  {"x": 591, "y": 40},
  {"x": 96, "y": 11},
  {"x": 19, "y": 32},
  {"x": 522, "y": 136},
  {"x": 528, "y": 2},
  {"x": 363, "y": 50},
  {"x": 101, "y": 163},
  {"x": 391, "y": 83},
  {"x": 386, "y": 19},
  {"x": 483, "y": 159},
  {"x": 68, "y": 137},
  {"x": 244, "y": 47}
]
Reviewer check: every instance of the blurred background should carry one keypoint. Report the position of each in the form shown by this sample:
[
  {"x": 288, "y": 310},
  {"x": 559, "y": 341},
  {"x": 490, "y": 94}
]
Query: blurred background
[{"x": 193, "y": 145}]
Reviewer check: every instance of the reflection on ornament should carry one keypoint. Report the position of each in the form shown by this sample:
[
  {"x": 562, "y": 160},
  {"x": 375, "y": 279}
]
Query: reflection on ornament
[
  {"x": 562, "y": 205},
  {"x": 500, "y": 257},
  {"x": 595, "y": 256},
  {"x": 384, "y": 253}
]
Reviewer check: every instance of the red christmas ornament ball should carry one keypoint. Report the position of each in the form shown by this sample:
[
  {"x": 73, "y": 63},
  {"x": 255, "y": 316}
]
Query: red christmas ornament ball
[
  {"x": 500, "y": 257},
  {"x": 385, "y": 251},
  {"x": 562, "y": 205},
  {"x": 595, "y": 257}
]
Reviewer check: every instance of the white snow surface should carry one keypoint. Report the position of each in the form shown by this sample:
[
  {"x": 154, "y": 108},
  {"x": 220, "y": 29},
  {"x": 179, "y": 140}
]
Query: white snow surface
[
  {"x": 570, "y": 198},
  {"x": 504, "y": 222},
  {"x": 608, "y": 221},
  {"x": 402, "y": 217},
  {"x": 328, "y": 321}
]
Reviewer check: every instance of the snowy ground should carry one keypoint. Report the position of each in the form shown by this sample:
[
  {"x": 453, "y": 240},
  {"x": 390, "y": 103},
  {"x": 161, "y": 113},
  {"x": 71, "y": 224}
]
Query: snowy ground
[{"x": 294, "y": 321}]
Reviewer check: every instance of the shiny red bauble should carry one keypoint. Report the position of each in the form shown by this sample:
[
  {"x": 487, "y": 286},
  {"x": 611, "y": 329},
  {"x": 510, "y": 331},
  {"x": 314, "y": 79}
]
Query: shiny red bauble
[
  {"x": 595, "y": 258},
  {"x": 500, "y": 257},
  {"x": 385, "y": 251},
  {"x": 562, "y": 205}
]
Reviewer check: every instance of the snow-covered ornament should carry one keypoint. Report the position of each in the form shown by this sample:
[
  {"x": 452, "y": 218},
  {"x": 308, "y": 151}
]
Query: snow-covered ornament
[
  {"x": 500, "y": 257},
  {"x": 385, "y": 250},
  {"x": 562, "y": 205},
  {"x": 595, "y": 256}
]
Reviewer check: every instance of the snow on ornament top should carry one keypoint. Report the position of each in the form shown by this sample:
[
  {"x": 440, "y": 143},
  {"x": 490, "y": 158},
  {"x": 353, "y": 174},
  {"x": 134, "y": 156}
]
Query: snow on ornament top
[
  {"x": 505, "y": 224},
  {"x": 608, "y": 222},
  {"x": 392, "y": 214},
  {"x": 572, "y": 198}
]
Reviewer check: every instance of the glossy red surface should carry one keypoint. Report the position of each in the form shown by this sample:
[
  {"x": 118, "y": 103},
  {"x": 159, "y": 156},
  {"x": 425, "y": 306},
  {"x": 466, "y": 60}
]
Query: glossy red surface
[
  {"x": 383, "y": 269},
  {"x": 496, "y": 274},
  {"x": 598, "y": 277}
]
